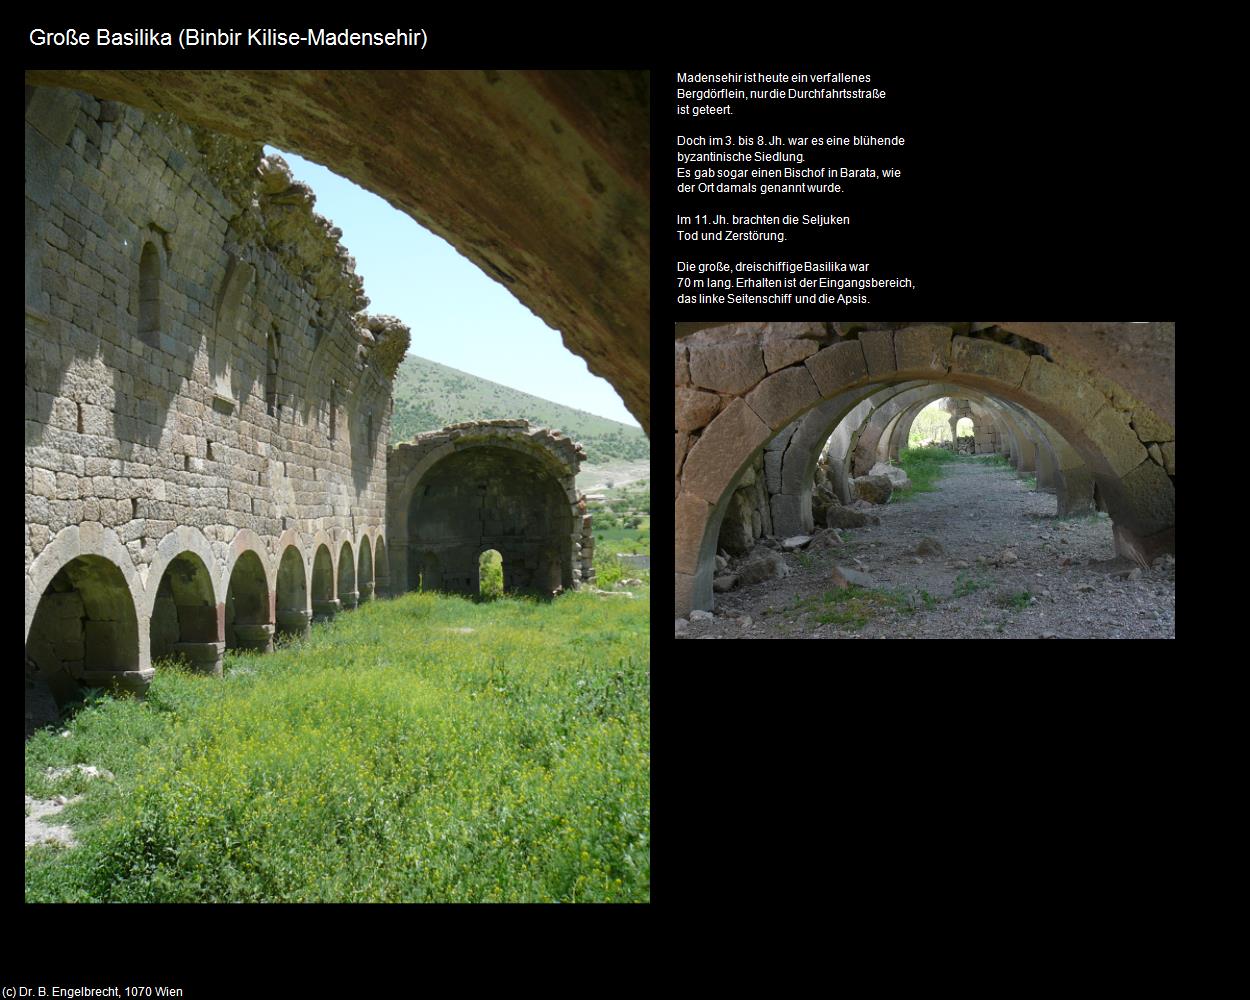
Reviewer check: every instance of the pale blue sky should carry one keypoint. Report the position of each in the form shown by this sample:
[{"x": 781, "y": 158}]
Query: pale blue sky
[{"x": 459, "y": 316}]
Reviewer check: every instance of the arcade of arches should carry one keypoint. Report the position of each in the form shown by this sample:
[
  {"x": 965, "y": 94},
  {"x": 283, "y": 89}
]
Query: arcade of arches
[{"x": 758, "y": 405}]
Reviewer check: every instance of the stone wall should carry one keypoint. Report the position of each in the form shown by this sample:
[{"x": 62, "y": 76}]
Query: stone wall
[
  {"x": 491, "y": 484},
  {"x": 201, "y": 383}
]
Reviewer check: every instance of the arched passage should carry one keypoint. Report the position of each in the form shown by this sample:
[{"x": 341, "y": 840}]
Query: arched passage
[
  {"x": 349, "y": 597},
  {"x": 754, "y": 407},
  {"x": 186, "y": 622},
  {"x": 364, "y": 571},
  {"x": 324, "y": 604},
  {"x": 965, "y": 434},
  {"x": 293, "y": 616},
  {"x": 248, "y": 622},
  {"x": 490, "y": 498},
  {"x": 85, "y": 632}
]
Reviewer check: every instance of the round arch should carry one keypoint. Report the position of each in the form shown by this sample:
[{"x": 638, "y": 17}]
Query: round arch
[
  {"x": 324, "y": 604},
  {"x": 187, "y": 619},
  {"x": 84, "y": 630},
  {"x": 364, "y": 569},
  {"x": 382, "y": 568},
  {"x": 292, "y": 611}
]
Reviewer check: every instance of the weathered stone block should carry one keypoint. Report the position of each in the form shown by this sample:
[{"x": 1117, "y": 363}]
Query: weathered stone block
[
  {"x": 922, "y": 351},
  {"x": 719, "y": 453},
  {"x": 1111, "y": 435},
  {"x": 1078, "y": 400},
  {"x": 681, "y": 359},
  {"x": 732, "y": 367},
  {"x": 878, "y": 348},
  {"x": 694, "y": 409},
  {"x": 992, "y": 361},
  {"x": 689, "y": 522},
  {"x": 783, "y": 348},
  {"x": 837, "y": 366},
  {"x": 1149, "y": 427}
]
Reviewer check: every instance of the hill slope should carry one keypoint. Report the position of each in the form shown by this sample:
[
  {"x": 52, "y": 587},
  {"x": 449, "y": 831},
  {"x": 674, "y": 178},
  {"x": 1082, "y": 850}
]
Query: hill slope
[{"x": 429, "y": 396}]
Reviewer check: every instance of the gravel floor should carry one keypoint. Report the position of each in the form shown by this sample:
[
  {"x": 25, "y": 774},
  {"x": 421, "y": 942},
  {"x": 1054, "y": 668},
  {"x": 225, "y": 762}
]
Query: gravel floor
[{"x": 1062, "y": 585}]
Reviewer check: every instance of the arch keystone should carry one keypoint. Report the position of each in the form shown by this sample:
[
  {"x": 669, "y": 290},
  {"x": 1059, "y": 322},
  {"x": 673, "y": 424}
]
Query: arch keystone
[
  {"x": 922, "y": 351},
  {"x": 989, "y": 360}
]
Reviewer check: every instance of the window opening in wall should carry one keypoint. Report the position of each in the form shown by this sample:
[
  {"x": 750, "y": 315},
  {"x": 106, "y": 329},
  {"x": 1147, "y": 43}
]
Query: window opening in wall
[
  {"x": 79, "y": 405},
  {"x": 210, "y": 451},
  {"x": 149, "y": 295},
  {"x": 186, "y": 463},
  {"x": 333, "y": 405}
]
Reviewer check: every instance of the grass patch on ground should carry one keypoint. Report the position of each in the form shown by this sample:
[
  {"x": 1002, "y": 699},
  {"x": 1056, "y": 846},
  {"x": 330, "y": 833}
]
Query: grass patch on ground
[
  {"x": 966, "y": 583},
  {"x": 427, "y": 748},
  {"x": 1014, "y": 601}
]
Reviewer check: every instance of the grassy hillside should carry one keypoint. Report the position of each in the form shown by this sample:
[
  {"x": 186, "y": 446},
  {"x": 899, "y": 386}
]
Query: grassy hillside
[{"x": 429, "y": 396}]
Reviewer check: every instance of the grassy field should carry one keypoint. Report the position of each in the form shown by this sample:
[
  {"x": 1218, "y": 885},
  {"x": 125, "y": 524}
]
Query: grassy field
[{"x": 427, "y": 748}]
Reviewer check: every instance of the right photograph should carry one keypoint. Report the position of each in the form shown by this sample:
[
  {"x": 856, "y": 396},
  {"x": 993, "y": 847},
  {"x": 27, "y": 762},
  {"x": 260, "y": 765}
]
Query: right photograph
[{"x": 842, "y": 480}]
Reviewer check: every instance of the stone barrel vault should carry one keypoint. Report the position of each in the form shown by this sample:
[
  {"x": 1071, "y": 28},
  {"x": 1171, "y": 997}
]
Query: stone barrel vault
[{"x": 755, "y": 404}]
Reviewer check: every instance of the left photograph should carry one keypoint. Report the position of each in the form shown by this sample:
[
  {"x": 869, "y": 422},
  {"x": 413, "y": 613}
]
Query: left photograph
[{"x": 337, "y": 486}]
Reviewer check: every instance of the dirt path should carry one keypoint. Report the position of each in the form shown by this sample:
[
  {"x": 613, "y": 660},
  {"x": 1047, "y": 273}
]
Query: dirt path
[{"x": 978, "y": 510}]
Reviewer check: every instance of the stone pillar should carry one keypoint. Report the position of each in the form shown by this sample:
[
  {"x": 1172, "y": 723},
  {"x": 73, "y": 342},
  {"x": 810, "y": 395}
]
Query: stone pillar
[
  {"x": 294, "y": 622},
  {"x": 204, "y": 657},
  {"x": 258, "y": 637}
]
